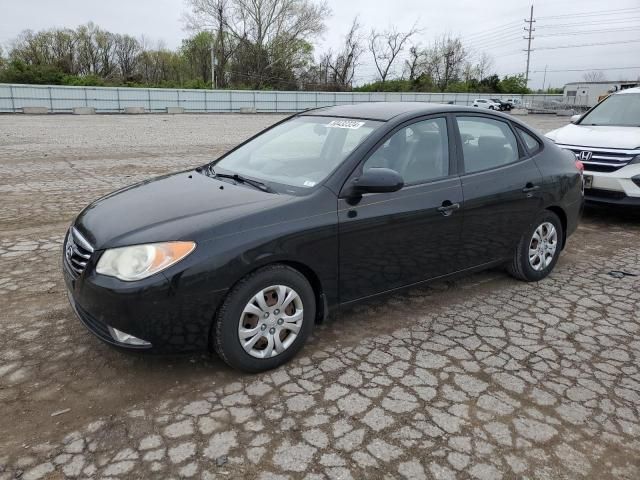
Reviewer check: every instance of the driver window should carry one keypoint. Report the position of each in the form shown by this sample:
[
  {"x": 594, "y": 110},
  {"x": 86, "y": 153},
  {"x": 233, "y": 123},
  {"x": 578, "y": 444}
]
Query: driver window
[{"x": 419, "y": 152}]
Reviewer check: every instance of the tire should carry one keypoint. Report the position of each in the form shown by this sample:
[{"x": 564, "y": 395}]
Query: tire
[
  {"x": 521, "y": 267},
  {"x": 491, "y": 107},
  {"x": 240, "y": 304}
]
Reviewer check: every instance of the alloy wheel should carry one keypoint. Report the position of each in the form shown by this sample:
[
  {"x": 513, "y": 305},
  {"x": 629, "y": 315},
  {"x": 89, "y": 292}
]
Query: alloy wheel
[
  {"x": 270, "y": 321},
  {"x": 543, "y": 246}
]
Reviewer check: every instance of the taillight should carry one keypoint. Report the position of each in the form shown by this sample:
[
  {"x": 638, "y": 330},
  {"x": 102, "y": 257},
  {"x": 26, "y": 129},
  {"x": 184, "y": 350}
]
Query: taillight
[{"x": 580, "y": 165}]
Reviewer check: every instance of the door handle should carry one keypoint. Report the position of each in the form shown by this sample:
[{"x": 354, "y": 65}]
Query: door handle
[
  {"x": 448, "y": 208},
  {"x": 530, "y": 187}
]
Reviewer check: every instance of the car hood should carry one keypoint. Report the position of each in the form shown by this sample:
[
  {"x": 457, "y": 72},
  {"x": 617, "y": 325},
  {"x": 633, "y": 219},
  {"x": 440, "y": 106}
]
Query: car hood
[
  {"x": 182, "y": 206},
  {"x": 596, "y": 136}
]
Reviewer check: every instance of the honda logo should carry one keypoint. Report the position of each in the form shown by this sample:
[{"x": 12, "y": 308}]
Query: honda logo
[{"x": 585, "y": 156}]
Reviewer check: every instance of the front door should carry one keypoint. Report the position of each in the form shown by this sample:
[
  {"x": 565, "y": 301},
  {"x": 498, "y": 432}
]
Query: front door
[{"x": 390, "y": 240}]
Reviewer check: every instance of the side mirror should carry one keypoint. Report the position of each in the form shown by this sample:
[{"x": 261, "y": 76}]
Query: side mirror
[
  {"x": 377, "y": 180},
  {"x": 575, "y": 118}
]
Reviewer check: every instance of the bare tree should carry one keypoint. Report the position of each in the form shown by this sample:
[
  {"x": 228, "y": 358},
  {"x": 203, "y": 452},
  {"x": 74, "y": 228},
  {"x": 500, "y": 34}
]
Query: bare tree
[
  {"x": 214, "y": 16},
  {"x": 484, "y": 66},
  {"x": 344, "y": 65},
  {"x": 447, "y": 59},
  {"x": 105, "y": 42},
  {"x": 265, "y": 33},
  {"x": 127, "y": 49},
  {"x": 88, "y": 55},
  {"x": 385, "y": 47},
  {"x": 594, "y": 76},
  {"x": 416, "y": 64}
]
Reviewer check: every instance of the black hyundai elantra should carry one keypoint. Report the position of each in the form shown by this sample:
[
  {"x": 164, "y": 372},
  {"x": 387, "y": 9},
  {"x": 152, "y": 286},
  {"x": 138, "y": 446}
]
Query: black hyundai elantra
[{"x": 326, "y": 208}]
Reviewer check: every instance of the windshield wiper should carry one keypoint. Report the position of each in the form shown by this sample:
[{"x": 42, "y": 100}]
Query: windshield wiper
[{"x": 241, "y": 179}]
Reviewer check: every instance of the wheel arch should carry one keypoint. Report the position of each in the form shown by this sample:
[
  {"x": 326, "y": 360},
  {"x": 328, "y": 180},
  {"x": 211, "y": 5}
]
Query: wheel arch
[
  {"x": 562, "y": 215},
  {"x": 316, "y": 284},
  {"x": 312, "y": 277}
]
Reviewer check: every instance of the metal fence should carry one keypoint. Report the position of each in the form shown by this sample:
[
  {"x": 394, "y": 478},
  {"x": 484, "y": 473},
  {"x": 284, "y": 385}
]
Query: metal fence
[{"x": 59, "y": 99}]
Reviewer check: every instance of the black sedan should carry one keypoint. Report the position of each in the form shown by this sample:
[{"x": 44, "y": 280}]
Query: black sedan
[
  {"x": 326, "y": 208},
  {"x": 504, "y": 106}
]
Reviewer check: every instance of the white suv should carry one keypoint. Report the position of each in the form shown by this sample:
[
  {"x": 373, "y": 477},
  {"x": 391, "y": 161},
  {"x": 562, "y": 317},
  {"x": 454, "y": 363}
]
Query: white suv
[
  {"x": 606, "y": 140},
  {"x": 486, "y": 103}
]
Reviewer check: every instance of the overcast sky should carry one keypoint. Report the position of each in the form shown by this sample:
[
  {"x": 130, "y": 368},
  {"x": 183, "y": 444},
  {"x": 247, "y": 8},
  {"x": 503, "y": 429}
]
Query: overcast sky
[{"x": 493, "y": 26}]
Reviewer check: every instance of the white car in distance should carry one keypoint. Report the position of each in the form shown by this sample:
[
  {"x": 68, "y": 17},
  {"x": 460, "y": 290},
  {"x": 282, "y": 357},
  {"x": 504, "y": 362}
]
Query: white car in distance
[
  {"x": 486, "y": 103},
  {"x": 606, "y": 140}
]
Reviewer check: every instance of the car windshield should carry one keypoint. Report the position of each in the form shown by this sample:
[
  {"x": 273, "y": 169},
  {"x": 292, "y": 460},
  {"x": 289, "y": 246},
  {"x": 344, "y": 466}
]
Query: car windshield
[
  {"x": 300, "y": 152},
  {"x": 617, "y": 110}
]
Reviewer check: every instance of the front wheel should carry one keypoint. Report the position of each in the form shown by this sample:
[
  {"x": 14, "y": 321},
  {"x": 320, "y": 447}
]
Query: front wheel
[
  {"x": 538, "y": 250},
  {"x": 265, "y": 320}
]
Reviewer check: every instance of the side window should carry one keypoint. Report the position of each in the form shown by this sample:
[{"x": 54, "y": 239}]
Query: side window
[
  {"x": 486, "y": 143},
  {"x": 419, "y": 152},
  {"x": 532, "y": 144}
]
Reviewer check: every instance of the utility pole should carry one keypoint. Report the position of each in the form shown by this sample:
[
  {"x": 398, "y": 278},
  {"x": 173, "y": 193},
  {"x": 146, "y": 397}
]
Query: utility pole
[
  {"x": 544, "y": 79},
  {"x": 213, "y": 66},
  {"x": 530, "y": 31}
]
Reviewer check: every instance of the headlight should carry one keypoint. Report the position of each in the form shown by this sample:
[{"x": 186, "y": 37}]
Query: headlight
[{"x": 141, "y": 261}]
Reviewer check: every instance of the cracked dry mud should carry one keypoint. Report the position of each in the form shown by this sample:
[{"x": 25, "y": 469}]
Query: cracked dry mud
[{"x": 482, "y": 377}]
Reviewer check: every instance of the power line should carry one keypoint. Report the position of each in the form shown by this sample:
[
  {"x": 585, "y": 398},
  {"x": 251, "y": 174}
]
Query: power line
[
  {"x": 495, "y": 38},
  {"x": 573, "y": 46},
  {"x": 586, "y": 69},
  {"x": 589, "y": 32},
  {"x": 580, "y": 24},
  {"x": 503, "y": 42},
  {"x": 481, "y": 33},
  {"x": 587, "y": 45},
  {"x": 621, "y": 11}
]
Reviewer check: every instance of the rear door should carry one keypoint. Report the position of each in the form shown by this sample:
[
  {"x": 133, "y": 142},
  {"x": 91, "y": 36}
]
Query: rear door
[
  {"x": 501, "y": 187},
  {"x": 390, "y": 240}
]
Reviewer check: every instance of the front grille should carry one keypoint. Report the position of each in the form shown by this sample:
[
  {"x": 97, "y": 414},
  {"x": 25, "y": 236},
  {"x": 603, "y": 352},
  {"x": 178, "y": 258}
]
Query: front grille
[
  {"x": 602, "y": 159},
  {"x": 77, "y": 251}
]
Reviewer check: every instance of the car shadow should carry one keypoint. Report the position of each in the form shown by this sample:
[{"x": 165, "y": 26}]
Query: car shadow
[{"x": 607, "y": 215}]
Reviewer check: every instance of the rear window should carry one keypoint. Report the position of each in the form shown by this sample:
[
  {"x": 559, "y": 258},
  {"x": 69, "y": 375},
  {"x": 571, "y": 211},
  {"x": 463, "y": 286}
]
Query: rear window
[
  {"x": 486, "y": 143},
  {"x": 530, "y": 141}
]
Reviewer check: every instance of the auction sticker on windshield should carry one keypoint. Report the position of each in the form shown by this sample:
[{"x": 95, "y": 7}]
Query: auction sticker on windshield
[{"x": 350, "y": 124}]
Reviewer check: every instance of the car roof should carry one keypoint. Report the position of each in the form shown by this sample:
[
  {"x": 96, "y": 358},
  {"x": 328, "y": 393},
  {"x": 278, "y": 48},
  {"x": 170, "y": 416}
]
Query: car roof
[
  {"x": 628, "y": 90},
  {"x": 383, "y": 110}
]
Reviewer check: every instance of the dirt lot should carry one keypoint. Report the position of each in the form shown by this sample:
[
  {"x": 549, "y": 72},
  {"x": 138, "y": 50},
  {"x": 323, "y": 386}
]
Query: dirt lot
[{"x": 482, "y": 377}]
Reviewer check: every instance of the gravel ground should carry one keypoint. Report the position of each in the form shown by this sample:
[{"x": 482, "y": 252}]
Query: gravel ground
[{"x": 483, "y": 377}]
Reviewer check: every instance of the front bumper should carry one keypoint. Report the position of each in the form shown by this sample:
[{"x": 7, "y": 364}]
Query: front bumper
[
  {"x": 153, "y": 310},
  {"x": 609, "y": 197},
  {"x": 621, "y": 187}
]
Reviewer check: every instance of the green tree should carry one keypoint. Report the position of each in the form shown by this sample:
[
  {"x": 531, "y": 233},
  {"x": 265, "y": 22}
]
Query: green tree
[
  {"x": 197, "y": 53},
  {"x": 19, "y": 72},
  {"x": 513, "y": 84}
]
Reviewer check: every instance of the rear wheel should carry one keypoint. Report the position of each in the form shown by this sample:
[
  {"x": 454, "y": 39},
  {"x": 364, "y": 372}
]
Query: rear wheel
[
  {"x": 265, "y": 320},
  {"x": 538, "y": 250}
]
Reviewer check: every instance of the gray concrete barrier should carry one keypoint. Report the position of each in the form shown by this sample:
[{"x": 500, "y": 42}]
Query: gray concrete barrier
[
  {"x": 84, "y": 110},
  {"x": 565, "y": 113},
  {"x": 175, "y": 110},
  {"x": 519, "y": 111},
  {"x": 134, "y": 110},
  {"x": 35, "y": 110}
]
